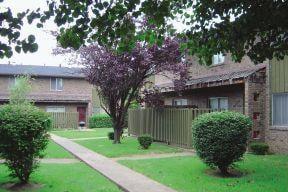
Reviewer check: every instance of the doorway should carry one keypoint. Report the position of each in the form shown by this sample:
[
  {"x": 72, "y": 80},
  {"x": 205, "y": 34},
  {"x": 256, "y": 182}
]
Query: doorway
[{"x": 82, "y": 114}]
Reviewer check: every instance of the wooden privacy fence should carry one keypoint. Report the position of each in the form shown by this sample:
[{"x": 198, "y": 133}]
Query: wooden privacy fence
[
  {"x": 166, "y": 124},
  {"x": 64, "y": 120}
]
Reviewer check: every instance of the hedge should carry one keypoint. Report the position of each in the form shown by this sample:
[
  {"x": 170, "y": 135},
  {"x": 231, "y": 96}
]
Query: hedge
[{"x": 100, "y": 121}]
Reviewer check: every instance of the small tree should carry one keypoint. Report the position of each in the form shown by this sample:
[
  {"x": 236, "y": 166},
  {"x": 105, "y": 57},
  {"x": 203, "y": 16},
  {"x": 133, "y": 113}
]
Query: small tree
[
  {"x": 119, "y": 77},
  {"x": 220, "y": 138},
  {"x": 23, "y": 132},
  {"x": 20, "y": 91}
]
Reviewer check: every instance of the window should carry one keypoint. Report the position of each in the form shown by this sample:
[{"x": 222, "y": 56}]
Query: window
[
  {"x": 219, "y": 103},
  {"x": 55, "y": 109},
  {"x": 56, "y": 84},
  {"x": 218, "y": 59},
  {"x": 180, "y": 102},
  {"x": 12, "y": 81},
  {"x": 280, "y": 109}
]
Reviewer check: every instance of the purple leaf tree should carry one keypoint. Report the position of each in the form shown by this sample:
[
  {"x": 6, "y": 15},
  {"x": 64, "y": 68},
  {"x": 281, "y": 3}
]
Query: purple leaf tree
[{"x": 120, "y": 77}]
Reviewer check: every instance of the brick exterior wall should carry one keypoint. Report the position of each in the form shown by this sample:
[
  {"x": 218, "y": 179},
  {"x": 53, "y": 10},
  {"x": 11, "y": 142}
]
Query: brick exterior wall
[
  {"x": 200, "y": 97},
  {"x": 77, "y": 92},
  {"x": 196, "y": 70},
  {"x": 241, "y": 96},
  {"x": 255, "y": 101}
]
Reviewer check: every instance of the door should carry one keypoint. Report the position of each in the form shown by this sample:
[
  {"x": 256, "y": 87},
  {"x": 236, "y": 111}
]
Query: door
[{"x": 82, "y": 113}]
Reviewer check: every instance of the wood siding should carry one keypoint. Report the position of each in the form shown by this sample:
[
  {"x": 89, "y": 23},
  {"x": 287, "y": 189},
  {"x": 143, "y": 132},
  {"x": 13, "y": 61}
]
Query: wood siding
[
  {"x": 279, "y": 75},
  {"x": 173, "y": 126},
  {"x": 64, "y": 120}
]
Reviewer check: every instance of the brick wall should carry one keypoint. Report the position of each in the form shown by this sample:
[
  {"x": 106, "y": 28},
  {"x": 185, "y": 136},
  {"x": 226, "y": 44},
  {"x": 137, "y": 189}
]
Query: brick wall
[
  {"x": 196, "y": 70},
  {"x": 72, "y": 88},
  {"x": 255, "y": 100},
  {"x": 200, "y": 97}
]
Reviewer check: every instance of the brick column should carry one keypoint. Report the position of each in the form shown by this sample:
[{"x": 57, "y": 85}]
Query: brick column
[{"x": 255, "y": 103}]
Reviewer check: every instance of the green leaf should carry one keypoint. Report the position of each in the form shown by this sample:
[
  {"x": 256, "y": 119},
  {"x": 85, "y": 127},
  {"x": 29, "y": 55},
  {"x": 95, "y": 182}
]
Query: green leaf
[
  {"x": 31, "y": 38},
  {"x": 18, "y": 49}
]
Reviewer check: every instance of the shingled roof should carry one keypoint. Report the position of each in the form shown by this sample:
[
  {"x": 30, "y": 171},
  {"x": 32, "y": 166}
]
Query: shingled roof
[
  {"x": 218, "y": 77},
  {"x": 44, "y": 71},
  {"x": 228, "y": 75},
  {"x": 54, "y": 98}
]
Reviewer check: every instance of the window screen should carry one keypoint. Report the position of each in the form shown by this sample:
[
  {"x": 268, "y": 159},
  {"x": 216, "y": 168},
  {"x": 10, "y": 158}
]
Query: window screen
[
  {"x": 280, "y": 109},
  {"x": 180, "y": 102},
  {"x": 55, "y": 109},
  {"x": 56, "y": 84},
  {"x": 218, "y": 59},
  {"x": 219, "y": 103}
]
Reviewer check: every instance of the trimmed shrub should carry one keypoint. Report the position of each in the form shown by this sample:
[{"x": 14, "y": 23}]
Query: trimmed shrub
[
  {"x": 111, "y": 135},
  {"x": 145, "y": 141},
  {"x": 259, "y": 148},
  {"x": 23, "y": 137},
  {"x": 100, "y": 121},
  {"x": 220, "y": 138}
]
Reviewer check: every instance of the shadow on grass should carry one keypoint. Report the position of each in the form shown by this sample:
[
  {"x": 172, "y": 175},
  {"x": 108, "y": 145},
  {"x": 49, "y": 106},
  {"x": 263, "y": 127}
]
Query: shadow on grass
[
  {"x": 232, "y": 173},
  {"x": 11, "y": 186}
]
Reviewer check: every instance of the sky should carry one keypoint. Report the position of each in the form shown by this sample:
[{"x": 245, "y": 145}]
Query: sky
[{"x": 44, "y": 39}]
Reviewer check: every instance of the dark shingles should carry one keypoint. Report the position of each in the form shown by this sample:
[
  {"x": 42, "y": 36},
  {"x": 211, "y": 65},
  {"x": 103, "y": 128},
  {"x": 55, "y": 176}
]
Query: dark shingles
[{"x": 46, "y": 71}]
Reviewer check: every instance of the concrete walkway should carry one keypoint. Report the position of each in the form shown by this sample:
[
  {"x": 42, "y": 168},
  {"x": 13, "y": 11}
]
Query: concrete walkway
[
  {"x": 87, "y": 138},
  {"x": 125, "y": 178},
  {"x": 153, "y": 156}
]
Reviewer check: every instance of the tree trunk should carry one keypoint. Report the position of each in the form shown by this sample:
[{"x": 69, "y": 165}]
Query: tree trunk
[{"x": 117, "y": 136}]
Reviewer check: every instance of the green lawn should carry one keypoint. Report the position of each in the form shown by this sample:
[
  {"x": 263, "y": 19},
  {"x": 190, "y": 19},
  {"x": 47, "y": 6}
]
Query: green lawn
[
  {"x": 65, "y": 177},
  {"x": 129, "y": 146},
  {"x": 55, "y": 151},
  {"x": 73, "y": 134},
  {"x": 264, "y": 173}
]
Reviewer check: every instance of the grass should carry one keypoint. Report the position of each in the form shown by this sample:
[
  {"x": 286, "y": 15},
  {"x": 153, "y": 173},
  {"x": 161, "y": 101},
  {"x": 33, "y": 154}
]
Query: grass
[
  {"x": 128, "y": 146},
  {"x": 55, "y": 151},
  {"x": 74, "y": 134},
  {"x": 64, "y": 177},
  {"x": 187, "y": 174}
]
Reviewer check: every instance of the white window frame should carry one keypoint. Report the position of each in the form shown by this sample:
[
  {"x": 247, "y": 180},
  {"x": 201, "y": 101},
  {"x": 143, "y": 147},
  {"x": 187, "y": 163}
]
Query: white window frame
[
  {"x": 182, "y": 101},
  {"x": 272, "y": 111},
  {"x": 218, "y": 99},
  {"x": 49, "y": 107},
  {"x": 56, "y": 86},
  {"x": 220, "y": 59}
]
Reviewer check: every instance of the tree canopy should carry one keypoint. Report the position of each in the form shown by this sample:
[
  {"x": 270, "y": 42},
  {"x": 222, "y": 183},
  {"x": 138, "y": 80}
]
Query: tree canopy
[
  {"x": 255, "y": 28},
  {"x": 10, "y": 29}
]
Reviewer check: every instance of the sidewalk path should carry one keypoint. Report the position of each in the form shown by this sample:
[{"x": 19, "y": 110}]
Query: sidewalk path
[
  {"x": 125, "y": 178},
  {"x": 153, "y": 156},
  {"x": 87, "y": 138}
]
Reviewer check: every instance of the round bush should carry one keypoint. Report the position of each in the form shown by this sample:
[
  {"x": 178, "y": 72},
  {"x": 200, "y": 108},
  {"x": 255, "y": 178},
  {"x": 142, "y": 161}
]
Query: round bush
[
  {"x": 259, "y": 148},
  {"x": 111, "y": 135},
  {"x": 23, "y": 137},
  {"x": 145, "y": 141},
  {"x": 220, "y": 138}
]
